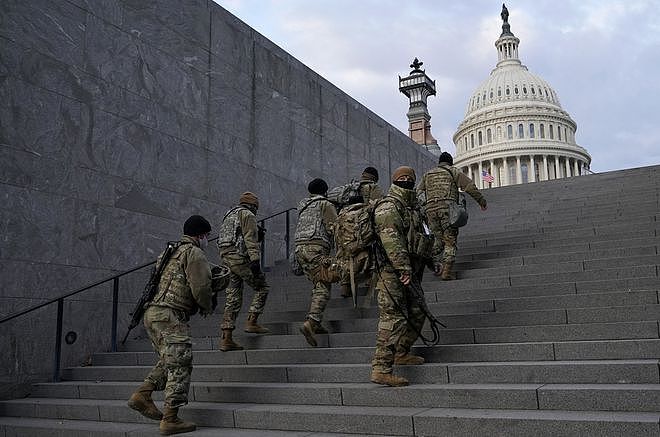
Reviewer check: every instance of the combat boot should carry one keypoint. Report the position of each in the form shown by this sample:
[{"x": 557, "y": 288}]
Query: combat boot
[
  {"x": 252, "y": 326},
  {"x": 227, "y": 344},
  {"x": 171, "y": 424},
  {"x": 447, "y": 274},
  {"x": 388, "y": 379},
  {"x": 407, "y": 359},
  {"x": 320, "y": 329},
  {"x": 308, "y": 329},
  {"x": 346, "y": 290},
  {"x": 141, "y": 402}
]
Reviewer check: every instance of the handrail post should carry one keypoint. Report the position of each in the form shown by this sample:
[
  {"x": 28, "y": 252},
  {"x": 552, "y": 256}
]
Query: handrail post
[
  {"x": 58, "y": 339},
  {"x": 263, "y": 247},
  {"x": 286, "y": 235},
  {"x": 115, "y": 302}
]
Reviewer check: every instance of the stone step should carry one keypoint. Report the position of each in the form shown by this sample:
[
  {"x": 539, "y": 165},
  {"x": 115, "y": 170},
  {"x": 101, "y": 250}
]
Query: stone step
[
  {"x": 32, "y": 427},
  {"x": 529, "y": 351},
  {"x": 617, "y": 371},
  {"x": 576, "y": 397},
  {"x": 407, "y": 421},
  {"x": 534, "y": 333},
  {"x": 572, "y": 300}
]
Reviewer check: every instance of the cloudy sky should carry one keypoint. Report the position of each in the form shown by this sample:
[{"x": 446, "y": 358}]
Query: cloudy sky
[{"x": 602, "y": 57}]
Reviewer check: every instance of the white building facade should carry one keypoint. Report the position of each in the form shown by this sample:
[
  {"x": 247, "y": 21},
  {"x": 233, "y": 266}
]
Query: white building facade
[{"x": 515, "y": 128}]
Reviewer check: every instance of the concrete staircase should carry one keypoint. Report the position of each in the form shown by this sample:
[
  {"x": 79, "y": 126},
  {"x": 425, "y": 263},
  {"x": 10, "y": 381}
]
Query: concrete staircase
[{"x": 552, "y": 330}]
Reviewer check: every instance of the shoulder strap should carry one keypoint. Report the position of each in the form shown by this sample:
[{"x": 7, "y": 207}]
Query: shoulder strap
[
  {"x": 308, "y": 205},
  {"x": 232, "y": 210}
]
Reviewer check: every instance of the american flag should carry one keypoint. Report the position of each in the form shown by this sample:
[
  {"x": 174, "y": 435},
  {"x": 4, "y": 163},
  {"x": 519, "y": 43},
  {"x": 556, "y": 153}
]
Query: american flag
[{"x": 486, "y": 177}]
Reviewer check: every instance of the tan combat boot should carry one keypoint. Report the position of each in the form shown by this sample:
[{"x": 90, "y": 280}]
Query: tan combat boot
[
  {"x": 252, "y": 326},
  {"x": 141, "y": 402},
  {"x": 407, "y": 359},
  {"x": 447, "y": 274},
  {"x": 388, "y": 379},
  {"x": 227, "y": 344},
  {"x": 171, "y": 424},
  {"x": 308, "y": 329}
]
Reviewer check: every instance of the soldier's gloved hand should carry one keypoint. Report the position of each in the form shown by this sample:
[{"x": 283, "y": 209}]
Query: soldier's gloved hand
[{"x": 255, "y": 267}]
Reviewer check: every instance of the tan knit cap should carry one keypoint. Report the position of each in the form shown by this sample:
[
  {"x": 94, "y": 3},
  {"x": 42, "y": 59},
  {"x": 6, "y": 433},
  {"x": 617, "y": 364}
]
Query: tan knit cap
[
  {"x": 249, "y": 198},
  {"x": 404, "y": 170}
]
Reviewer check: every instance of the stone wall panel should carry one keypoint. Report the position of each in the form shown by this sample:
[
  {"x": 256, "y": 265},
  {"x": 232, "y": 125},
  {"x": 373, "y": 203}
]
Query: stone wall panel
[{"x": 55, "y": 28}]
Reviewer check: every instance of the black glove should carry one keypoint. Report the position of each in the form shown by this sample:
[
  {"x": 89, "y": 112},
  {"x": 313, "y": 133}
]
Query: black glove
[
  {"x": 255, "y": 267},
  {"x": 261, "y": 233}
]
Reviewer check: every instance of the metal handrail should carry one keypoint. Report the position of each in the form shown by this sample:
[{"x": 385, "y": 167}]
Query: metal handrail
[
  {"x": 115, "y": 298},
  {"x": 286, "y": 234}
]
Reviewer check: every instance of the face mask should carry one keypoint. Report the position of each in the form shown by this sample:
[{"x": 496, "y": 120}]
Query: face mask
[
  {"x": 203, "y": 242},
  {"x": 408, "y": 185}
]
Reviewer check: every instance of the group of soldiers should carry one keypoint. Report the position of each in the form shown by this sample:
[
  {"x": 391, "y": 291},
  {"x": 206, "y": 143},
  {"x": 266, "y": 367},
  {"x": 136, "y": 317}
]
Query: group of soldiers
[{"x": 404, "y": 245}]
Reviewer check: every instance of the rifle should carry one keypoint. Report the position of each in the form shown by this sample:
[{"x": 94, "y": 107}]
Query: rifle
[{"x": 151, "y": 288}]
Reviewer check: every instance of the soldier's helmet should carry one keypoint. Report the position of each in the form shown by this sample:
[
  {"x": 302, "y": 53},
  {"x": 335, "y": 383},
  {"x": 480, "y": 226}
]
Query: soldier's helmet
[{"x": 219, "y": 278}]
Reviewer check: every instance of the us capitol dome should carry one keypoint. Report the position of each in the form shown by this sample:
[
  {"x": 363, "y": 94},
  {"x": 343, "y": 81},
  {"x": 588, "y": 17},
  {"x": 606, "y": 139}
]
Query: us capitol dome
[{"x": 515, "y": 129}]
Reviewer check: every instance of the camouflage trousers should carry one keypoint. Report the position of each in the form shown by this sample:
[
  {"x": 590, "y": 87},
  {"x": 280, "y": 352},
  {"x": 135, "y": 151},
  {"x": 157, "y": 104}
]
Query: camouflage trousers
[
  {"x": 322, "y": 271},
  {"x": 170, "y": 337},
  {"x": 395, "y": 334},
  {"x": 444, "y": 246},
  {"x": 240, "y": 272}
]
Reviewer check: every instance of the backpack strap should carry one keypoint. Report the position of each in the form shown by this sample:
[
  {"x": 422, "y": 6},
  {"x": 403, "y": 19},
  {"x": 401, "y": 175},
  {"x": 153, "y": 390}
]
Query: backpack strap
[{"x": 309, "y": 204}]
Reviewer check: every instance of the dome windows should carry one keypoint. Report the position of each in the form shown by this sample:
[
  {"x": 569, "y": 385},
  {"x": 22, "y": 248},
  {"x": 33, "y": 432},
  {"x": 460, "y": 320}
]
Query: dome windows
[
  {"x": 489, "y": 136},
  {"x": 515, "y": 89},
  {"x": 499, "y": 92},
  {"x": 552, "y": 132},
  {"x": 508, "y": 91},
  {"x": 531, "y": 130},
  {"x": 532, "y": 90},
  {"x": 521, "y": 131},
  {"x": 509, "y": 132},
  {"x": 542, "y": 130},
  {"x": 481, "y": 138},
  {"x": 524, "y": 89},
  {"x": 491, "y": 94}
]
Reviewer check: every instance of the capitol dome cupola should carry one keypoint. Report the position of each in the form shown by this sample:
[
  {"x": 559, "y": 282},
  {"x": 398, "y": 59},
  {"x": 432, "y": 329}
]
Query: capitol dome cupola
[
  {"x": 515, "y": 129},
  {"x": 507, "y": 43}
]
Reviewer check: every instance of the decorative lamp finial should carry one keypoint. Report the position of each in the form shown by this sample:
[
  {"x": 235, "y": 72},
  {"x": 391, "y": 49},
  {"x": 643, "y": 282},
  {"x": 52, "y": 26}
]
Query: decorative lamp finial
[{"x": 415, "y": 66}]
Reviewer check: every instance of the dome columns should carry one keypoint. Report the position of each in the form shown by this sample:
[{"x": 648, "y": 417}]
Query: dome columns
[{"x": 523, "y": 168}]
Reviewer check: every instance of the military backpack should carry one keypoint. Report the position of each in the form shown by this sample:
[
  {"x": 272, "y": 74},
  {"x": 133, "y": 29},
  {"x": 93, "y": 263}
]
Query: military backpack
[{"x": 345, "y": 194}]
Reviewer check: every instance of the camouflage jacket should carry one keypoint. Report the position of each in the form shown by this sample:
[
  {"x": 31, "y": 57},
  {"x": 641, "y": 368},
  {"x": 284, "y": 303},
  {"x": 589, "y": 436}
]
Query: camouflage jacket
[
  {"x": 316, "y": 217},
  {"x": 185, "y": 284},
  {"x": 239, "y": 233},
  {"x": 441, "y": 184},
  {"x": 370, "y": 190},
  {"x": 400, "y": 228}
]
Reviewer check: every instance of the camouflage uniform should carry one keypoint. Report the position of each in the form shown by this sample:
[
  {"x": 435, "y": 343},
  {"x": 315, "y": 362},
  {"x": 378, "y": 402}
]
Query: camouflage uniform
[
  {"x": 440, "y": 186},
  {"x": 238, "y": 246},
  {"x": 405, "y": 245},
  {"x": 184, "y": 287},
  {"x": 313, "y": 241}
]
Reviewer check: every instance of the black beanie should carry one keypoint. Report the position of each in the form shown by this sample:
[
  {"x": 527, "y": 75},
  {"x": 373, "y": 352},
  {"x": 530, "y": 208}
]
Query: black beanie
[
  {"x": 196, "y": 225},
  {"x": 317, "y": 186},
  {"x": 371, "y": 171},
  {"x": 446, "y": 157}
]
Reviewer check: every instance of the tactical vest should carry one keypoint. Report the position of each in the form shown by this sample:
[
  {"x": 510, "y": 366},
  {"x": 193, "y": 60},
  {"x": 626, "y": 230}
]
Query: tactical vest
[
  {"x": 230, "y": 231},
  {"x": 173, "y": 288},
  {"x": 310, "y": 221},
  {"x": 441, "y": 185}
]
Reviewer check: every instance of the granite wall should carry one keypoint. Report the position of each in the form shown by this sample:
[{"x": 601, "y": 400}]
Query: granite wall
[{"x": 119, "y": 119}]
